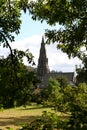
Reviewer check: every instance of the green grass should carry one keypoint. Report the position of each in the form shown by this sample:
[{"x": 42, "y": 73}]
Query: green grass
[{"x": 16, "y": 117}]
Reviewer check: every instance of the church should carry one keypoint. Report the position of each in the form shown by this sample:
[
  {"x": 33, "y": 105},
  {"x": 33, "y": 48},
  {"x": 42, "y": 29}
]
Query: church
[{"x": 43, "y": 71}]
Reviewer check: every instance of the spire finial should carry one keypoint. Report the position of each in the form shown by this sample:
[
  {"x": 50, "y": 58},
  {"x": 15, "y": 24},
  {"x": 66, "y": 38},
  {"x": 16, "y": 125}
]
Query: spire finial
[{"x": 42, "y": 39}]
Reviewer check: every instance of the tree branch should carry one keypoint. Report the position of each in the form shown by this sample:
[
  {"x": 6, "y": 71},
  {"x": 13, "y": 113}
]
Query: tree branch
[{"x": 1, "y": 33}]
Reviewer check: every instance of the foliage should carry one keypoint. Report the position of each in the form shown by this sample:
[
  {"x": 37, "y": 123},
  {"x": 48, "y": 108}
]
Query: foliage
[
  {"x": 10, "y": 19},
  {"x": 15, "y": 80},
  {"x": 52, "y": 93},
  {"x": 82, "y": 71},
  {"x": 48, "y": 121},
  {"x": 52, "y": 84},
  {"x": 10, "y": 22},
  {"x": 77, "y": 102},
  {"x": 39, "y": 95},
  {"x": 36, "y": 96},
  {"x": 72, "y": 100},
  {"x": 63, "y": 81},
  {"x": 72, "y": 15}
]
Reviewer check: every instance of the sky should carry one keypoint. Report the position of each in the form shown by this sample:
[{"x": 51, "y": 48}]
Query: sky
[{"x": 30, "y": 37}]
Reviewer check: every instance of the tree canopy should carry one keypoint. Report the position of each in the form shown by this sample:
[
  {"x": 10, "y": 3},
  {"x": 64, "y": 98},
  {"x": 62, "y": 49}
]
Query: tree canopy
[
  {"x": 15, "y": 80},
  {"x": 10, "y": 22},
  {"x": 10, "y": 13},
  {"x": 72, "y": 15}
]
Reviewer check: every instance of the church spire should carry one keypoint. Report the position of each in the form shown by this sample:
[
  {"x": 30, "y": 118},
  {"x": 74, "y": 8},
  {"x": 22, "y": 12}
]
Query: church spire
[
  {"x": 42, "y": 50},
  {"x": 43, "y": 68},
  {"x": 42, "y": 39}
]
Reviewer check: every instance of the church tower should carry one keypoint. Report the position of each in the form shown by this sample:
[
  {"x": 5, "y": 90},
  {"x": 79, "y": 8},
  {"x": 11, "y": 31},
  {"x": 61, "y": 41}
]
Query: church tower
[{"x": 43, "y": 68}]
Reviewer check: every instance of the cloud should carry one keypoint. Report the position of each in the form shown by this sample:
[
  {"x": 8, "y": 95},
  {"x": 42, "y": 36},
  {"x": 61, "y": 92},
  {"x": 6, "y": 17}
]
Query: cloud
[
  {"x": 57, "y": 60},
  {"x": 32, "y": 43}
]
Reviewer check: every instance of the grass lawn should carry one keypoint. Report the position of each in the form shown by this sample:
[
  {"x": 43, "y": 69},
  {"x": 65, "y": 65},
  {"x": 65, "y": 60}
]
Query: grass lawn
[{"x": 16, "y": 117}]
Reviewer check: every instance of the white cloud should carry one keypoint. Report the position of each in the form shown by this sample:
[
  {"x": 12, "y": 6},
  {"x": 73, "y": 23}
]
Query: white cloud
[
  {"x": 56, "y": 59},
  {"x": 32, "y": 43},
  {"x": 59, "y": 61}
]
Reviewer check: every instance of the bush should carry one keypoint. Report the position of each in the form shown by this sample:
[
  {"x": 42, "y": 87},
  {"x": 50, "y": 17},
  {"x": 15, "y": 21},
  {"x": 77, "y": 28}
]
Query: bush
[
  {"x": 48, "y": 121},
  {"x": 72, "y": 100}
]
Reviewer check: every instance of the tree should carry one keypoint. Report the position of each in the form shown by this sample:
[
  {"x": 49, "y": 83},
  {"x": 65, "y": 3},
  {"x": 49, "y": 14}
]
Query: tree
[
  {"x": 63, "y": 81},
  {"x": 15, "y": 77},
  {"x": 16, "y": 82},
  {"x": 82, "y": 71},
  {"x": 10, "y": 13},
  {"x": 53, "y": 94},
  {"x": 10, "y": 18},
  {"x": 77, "y": 100},
  {"x": 72, "y": 101},
  {"x": 72, "y": 15}
]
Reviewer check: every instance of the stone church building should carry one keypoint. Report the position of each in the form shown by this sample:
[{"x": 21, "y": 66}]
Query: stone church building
[{"x": 43, "y": 70}]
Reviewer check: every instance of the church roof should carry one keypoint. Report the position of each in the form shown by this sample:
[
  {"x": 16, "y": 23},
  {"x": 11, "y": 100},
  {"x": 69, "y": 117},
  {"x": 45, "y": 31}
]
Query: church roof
[{"x": 68, "y": 75}]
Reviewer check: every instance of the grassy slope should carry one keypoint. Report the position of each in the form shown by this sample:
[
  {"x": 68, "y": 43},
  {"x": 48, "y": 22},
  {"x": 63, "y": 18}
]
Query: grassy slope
[{"x": 16, "y": 117}]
